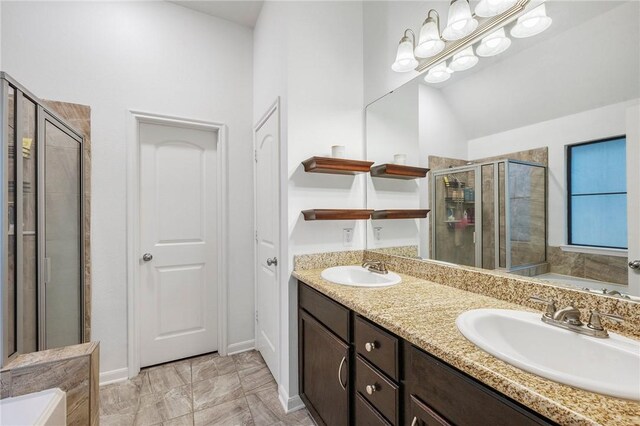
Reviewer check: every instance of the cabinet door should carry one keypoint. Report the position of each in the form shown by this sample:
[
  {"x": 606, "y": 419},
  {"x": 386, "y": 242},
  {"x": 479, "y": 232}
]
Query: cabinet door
[{"x": 324, "y": 372}]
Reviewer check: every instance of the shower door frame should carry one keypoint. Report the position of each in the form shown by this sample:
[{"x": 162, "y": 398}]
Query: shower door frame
[
  {"x": 42, "y": 111},
  {"x": 477, "y": 240},
  {"x": 477, "y": 168},
  {"x": 43, "y": 115}
]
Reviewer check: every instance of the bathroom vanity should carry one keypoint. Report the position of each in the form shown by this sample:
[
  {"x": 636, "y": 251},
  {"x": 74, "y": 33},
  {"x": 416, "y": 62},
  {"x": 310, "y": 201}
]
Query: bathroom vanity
[
  {"x": 353, "y": 371},
  {"x": 394, "y": 355}
]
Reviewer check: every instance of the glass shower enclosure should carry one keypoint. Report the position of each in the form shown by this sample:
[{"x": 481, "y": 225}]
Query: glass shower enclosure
[
  {"x": 490, "y": 215},
  {"x": 41, "y": 197}
]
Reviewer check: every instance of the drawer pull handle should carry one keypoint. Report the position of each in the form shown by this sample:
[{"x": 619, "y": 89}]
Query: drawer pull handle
[
  {"x": 369, "y": 346},
  {"x": 371, "y": 388},
  {"x": 414, "y": 422},
  {"x": 343, "y": 386}
]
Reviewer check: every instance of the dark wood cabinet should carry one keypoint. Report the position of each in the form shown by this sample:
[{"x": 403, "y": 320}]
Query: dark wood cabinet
[
  {"x": 324, "y": 372},
  {"x": 341, "y": 354}
]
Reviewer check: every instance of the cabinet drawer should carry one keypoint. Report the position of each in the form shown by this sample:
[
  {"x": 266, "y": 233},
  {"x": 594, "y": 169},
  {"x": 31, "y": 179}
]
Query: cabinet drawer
[
  {"x": 460, "y": 399},
  {"x": 331, "y": 314},
  {"x": 423, "y": 415},
  {"x": 366, "y": 415},
  {"x": 381, "y": 392},
  {"x": 377, "y": 346}
]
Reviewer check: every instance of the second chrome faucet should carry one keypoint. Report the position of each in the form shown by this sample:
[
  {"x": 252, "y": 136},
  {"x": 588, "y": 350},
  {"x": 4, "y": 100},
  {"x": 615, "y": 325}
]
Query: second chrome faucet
[{"x": 569, "y": 318}]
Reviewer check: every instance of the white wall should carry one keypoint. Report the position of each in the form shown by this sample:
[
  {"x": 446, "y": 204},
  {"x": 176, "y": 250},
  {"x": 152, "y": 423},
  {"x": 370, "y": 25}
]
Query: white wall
[
  {"x": 556, "y": 134},
  {"x": 310, "y": 54},
  {"x": 155, "y": 57},
  {"x": 392, "y": 128}
]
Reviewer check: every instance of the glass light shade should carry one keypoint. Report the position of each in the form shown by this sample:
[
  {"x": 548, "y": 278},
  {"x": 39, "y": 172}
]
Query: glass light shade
[
  {"x": 438, "y": 74},
  {"x": 460, "y": 23},
  {"x": 464, "y": 60},
  {"x": 429, "y": 42},
  {"x": 489, "y": 8},
  {"x": 493, "y": 44},
  {"x": 405, "y": 61},
  {"x": 531, "y": 23}
]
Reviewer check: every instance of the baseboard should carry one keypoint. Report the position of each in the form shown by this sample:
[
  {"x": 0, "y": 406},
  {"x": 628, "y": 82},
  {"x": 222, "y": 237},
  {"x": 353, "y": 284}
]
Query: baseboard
[
  {"x": 114, "y": 376},
  {"x": 236, "y": 348},
  {"x": 290, "y": 404}
]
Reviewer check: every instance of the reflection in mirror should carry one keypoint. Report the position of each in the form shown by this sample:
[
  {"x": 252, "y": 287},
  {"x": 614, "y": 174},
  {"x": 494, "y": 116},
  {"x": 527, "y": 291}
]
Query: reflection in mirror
[{"x": 509, "y": 187}]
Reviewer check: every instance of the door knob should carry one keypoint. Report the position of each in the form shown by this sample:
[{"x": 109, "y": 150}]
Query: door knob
[
  {"x": 147, "y": 257},
  {"x": 273, "y": 261},
  {"x": 634, "y": 264}
]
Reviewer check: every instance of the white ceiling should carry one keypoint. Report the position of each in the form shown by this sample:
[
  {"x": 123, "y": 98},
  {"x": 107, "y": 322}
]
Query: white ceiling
[{"x": 243, "y": 12}]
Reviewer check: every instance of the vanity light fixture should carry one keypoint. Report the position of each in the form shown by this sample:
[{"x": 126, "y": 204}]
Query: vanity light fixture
[
  {"x": 464, "y": 60},
  {"x": 460, "y": 22},
  {"x": 430, "y": 43},
  {"x": 489, "y": 8},
  {"x": 405, "y": 59},
  {"x": 439, "y": 73},
  {"x": 493, "y": 44},
  {"x": 532, "y": 23},
  {"x": 432, "y": 49}
]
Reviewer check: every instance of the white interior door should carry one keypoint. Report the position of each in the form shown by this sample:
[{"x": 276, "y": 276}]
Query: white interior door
[
  {"x": 267, "y": 202},
  {"x": 633, "y": 196},
  {"x": 178, "y": 243}
]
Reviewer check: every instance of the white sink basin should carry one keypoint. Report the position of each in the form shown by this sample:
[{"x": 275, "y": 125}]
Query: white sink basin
[
  {"x": 358, "y": 276},
  {"x": 609, "y": 366}
]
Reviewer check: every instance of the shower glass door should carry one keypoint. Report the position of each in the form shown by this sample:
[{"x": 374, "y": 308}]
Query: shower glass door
[
  {"x": 62, "y": 254},
  {"x": 454, "y": 227}
]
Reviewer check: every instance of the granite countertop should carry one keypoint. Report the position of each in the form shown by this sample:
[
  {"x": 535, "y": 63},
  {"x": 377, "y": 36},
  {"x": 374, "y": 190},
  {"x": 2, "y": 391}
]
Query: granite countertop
[{"x": 424, "y": 313}]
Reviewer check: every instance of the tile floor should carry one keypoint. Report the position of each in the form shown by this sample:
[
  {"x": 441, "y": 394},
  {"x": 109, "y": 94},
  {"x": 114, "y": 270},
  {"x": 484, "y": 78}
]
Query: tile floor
[{"x": 206, "y": 390}]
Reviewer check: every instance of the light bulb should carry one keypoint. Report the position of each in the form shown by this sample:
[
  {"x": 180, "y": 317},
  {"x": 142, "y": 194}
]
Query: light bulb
[
  {"x": 464, "y": 60},
  {"x": 438, "y": 74},
  {"x": 460, "y": 23},
  {"x": 489, "y": 8},
  {"x": 493, "y": 44},
  {"x": 429, "y": 42},
  {"x": 405, "y": 61},
  {"x": 531, "y": 23}
]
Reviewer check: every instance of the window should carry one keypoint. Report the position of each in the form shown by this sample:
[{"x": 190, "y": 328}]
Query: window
[{"x": 597, "y": 192}]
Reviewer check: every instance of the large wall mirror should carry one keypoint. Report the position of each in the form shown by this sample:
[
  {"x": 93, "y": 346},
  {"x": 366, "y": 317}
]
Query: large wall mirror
[{"x": 530, "y": 152}]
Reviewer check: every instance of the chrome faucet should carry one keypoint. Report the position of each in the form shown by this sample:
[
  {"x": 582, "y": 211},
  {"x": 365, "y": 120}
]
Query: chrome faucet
[
  {"x": 376, "y": 266},
  {"x": 569, "y": 318}
]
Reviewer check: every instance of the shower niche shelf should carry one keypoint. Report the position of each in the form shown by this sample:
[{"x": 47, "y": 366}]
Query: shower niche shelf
[
  {"x": 400, "y": 214},
  {"x": 337, "y": 214},
  {"x": 398, "y": 171},
  {"x": 336, "y": 166}
]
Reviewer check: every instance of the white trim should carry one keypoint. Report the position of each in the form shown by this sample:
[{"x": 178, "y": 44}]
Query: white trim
[
  {"x": 595, "y": 250},
  {"x": 134, "y": 118},
  {"x": 236, "y": 348},
  {"x": 289, "y": 404},
  {"x": 274, "y": 108},
  {"x": 114, "y": 376}
]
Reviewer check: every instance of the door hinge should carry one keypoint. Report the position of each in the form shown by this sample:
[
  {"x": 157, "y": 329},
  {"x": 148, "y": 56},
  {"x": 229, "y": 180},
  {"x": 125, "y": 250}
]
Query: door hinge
[
  {"x": 256, "y": 316},
  {"x": 256, "y": 235},
  {"x": 255, "y": 155}
]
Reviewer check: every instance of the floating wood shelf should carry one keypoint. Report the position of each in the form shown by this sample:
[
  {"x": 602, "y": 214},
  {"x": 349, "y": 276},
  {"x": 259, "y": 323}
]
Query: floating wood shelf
[
  {"x": 337, "y": 214},
  {"x": 337, "y": 166},
  {"x": 400, "y": 214},
  {"x": 398, "y": 171}
]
